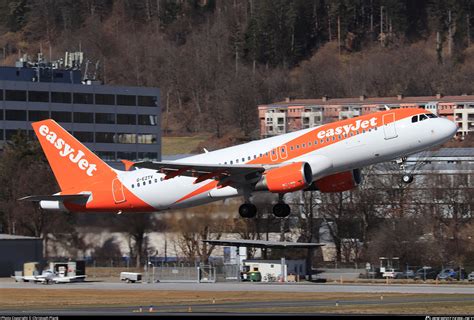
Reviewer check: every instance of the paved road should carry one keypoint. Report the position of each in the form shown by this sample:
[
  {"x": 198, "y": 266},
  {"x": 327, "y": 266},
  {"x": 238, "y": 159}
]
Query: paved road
[
  {"x": 240, "y": 308},
  {"x": 276, "y": 287}
]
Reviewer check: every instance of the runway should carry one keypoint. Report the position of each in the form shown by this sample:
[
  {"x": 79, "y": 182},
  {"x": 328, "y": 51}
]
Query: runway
[
  {"x": 245, "y": 286},
  {"x": 242, "y": 308}
]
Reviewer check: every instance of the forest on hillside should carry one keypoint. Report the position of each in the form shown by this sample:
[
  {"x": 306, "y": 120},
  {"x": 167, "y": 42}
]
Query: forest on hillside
[{"x": 216, "y": 60}]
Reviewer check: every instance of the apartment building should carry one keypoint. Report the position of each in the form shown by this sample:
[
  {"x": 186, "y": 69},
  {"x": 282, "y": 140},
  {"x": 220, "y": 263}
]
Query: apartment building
[{"x": 295, "y": 114}]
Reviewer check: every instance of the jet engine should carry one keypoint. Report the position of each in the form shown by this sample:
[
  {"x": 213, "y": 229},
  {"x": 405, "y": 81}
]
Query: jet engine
[
  {"x": 292, "y": 177},
  {"x": 338, "y": 182}
]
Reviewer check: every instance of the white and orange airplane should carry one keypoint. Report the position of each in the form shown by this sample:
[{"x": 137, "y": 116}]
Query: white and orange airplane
[{"x": 327, "y": 158}]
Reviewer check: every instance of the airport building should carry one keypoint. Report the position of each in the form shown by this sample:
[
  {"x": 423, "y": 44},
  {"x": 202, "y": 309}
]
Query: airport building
[
  {"x": 17, "y": 250},
  {"x": 295, "y": 114},
  {"x": 116, "y": 122}
]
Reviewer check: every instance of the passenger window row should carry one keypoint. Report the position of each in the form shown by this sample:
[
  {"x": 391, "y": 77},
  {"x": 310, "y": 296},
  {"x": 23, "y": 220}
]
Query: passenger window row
[{"x": 304, "y": 145}]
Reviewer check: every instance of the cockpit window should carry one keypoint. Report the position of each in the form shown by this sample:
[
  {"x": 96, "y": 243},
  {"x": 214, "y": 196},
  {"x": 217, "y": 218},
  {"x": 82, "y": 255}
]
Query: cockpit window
[{"x": 423, "y": 116}]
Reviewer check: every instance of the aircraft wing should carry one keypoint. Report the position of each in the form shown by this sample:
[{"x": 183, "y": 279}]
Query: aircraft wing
[
  {"x": 202, "y": 171},
  {"x": 56, "y": 197}
]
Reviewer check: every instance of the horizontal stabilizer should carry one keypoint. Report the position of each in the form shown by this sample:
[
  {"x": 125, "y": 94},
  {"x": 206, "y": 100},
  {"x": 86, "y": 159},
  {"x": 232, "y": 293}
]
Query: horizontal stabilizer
[{"x": 58, "y": 197}]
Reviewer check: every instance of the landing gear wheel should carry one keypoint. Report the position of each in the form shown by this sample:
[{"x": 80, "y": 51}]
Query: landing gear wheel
[
  {"x": 407, "y": 178},
  {"x": 248, "y": 210},
  {"x": 281, "y": 210}
]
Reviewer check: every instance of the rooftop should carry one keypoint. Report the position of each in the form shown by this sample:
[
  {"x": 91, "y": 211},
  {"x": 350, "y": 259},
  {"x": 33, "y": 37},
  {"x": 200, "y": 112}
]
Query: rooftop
[
  {"x": 4, "y": 236},
  {"x": 374, "y": 100}
]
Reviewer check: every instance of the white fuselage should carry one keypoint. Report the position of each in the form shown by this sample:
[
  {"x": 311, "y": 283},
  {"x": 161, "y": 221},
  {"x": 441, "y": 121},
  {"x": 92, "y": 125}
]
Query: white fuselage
[{"x": 379, "y": 144}]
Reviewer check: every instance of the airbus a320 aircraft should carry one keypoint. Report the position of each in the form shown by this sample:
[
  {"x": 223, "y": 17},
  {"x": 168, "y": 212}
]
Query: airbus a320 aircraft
[{"x": 327, "y": 158}]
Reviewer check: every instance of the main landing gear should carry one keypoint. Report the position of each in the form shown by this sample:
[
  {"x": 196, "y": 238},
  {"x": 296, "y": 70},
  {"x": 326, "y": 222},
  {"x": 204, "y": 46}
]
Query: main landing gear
[
  {"x": 248, "y": 210},
  {"x": 280, "y": 210},
  {"x": 407, "y": 177}
]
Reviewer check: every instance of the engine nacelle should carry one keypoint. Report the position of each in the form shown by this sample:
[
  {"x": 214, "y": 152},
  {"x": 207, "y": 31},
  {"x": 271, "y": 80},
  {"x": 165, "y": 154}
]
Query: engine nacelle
[
  {"x": 338, "y": 182},
  {"x": 289, "y": 178}
]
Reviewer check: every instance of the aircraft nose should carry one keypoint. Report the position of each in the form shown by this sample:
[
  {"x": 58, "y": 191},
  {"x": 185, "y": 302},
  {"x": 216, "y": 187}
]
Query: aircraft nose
[
  {"x": 451, "y": 127},
  {"x": 448, "y": 128}
]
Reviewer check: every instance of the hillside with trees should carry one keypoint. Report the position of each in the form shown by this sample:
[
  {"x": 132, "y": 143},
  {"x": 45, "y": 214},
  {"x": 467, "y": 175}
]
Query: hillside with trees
[{"x": 216, "y": 60}]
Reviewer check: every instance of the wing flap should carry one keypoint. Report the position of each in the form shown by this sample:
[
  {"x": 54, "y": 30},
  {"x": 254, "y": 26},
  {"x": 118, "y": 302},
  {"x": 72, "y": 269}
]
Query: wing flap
[
  {"x": 58, "y": 197},
  {"x": 199, "y": 171}
]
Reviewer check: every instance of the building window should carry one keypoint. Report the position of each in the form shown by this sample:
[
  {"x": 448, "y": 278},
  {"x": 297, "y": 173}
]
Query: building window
[
  {"x": 126, "y": 119},
  {"x": 146, "y": 138},
  {"x": 38, "y": 96},
  {"x": 106, "y": 99},
  {"x": 84, "y": 136},
  {"x": 1, "y": 134},
  {"x": 83, "y": 98},
  {"x": 83, "y": 117},
  {"x": 147, "y": 155},
  {"x": 105, "y": 118},
  {"x": 147, "y": 120},
  {"x": 15, "y": 95},
  {"x": 61, "y": 97},
  {"x": 127, "y": 156},
  {"x": 125, "y": 138},
  {"x": 106, "y": 155},
  {"x": 61, "y": 116},
  {"x": 147, "y": 101},
  {"x": 104, "y": 137},
  {"x": 37, "y": 115},
  {"x": 126, "y": 100},
  {"x": 15, "y": 115},
  {"x": 10, "y": 133},
  {"x": 1, "y": 95}
]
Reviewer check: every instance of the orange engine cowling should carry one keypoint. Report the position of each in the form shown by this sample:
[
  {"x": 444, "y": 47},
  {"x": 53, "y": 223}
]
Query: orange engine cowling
[
  {"x": 289, "y": 178},
  {"x": 338, "y": 182}
]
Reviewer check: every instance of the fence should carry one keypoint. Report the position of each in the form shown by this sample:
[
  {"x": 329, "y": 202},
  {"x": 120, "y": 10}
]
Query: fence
[
  {"x": 175, "y": 274},
  {"x": 199, "y": 273}
]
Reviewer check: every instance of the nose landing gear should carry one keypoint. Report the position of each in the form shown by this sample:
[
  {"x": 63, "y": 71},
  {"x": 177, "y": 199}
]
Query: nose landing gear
[{"x": 407, "y": 177}]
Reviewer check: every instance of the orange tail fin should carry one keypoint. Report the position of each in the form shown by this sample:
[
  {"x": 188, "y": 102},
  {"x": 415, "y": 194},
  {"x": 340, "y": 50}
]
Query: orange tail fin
[{"x": 73, "y": 165}]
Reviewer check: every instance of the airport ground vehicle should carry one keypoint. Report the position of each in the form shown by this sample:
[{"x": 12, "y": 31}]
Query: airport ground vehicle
[
  {"x": 426, "y": 273},
  {"x": 452, "y": 274},
  {"x": 130, "y": 277},
  {"x": 392, "y": 273},
  {"x": 447, "y": 274},
  {"x": 408, "y": 274},
  {"x": 470, "y": 277},
  {"x": 327, "y": 158}
]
